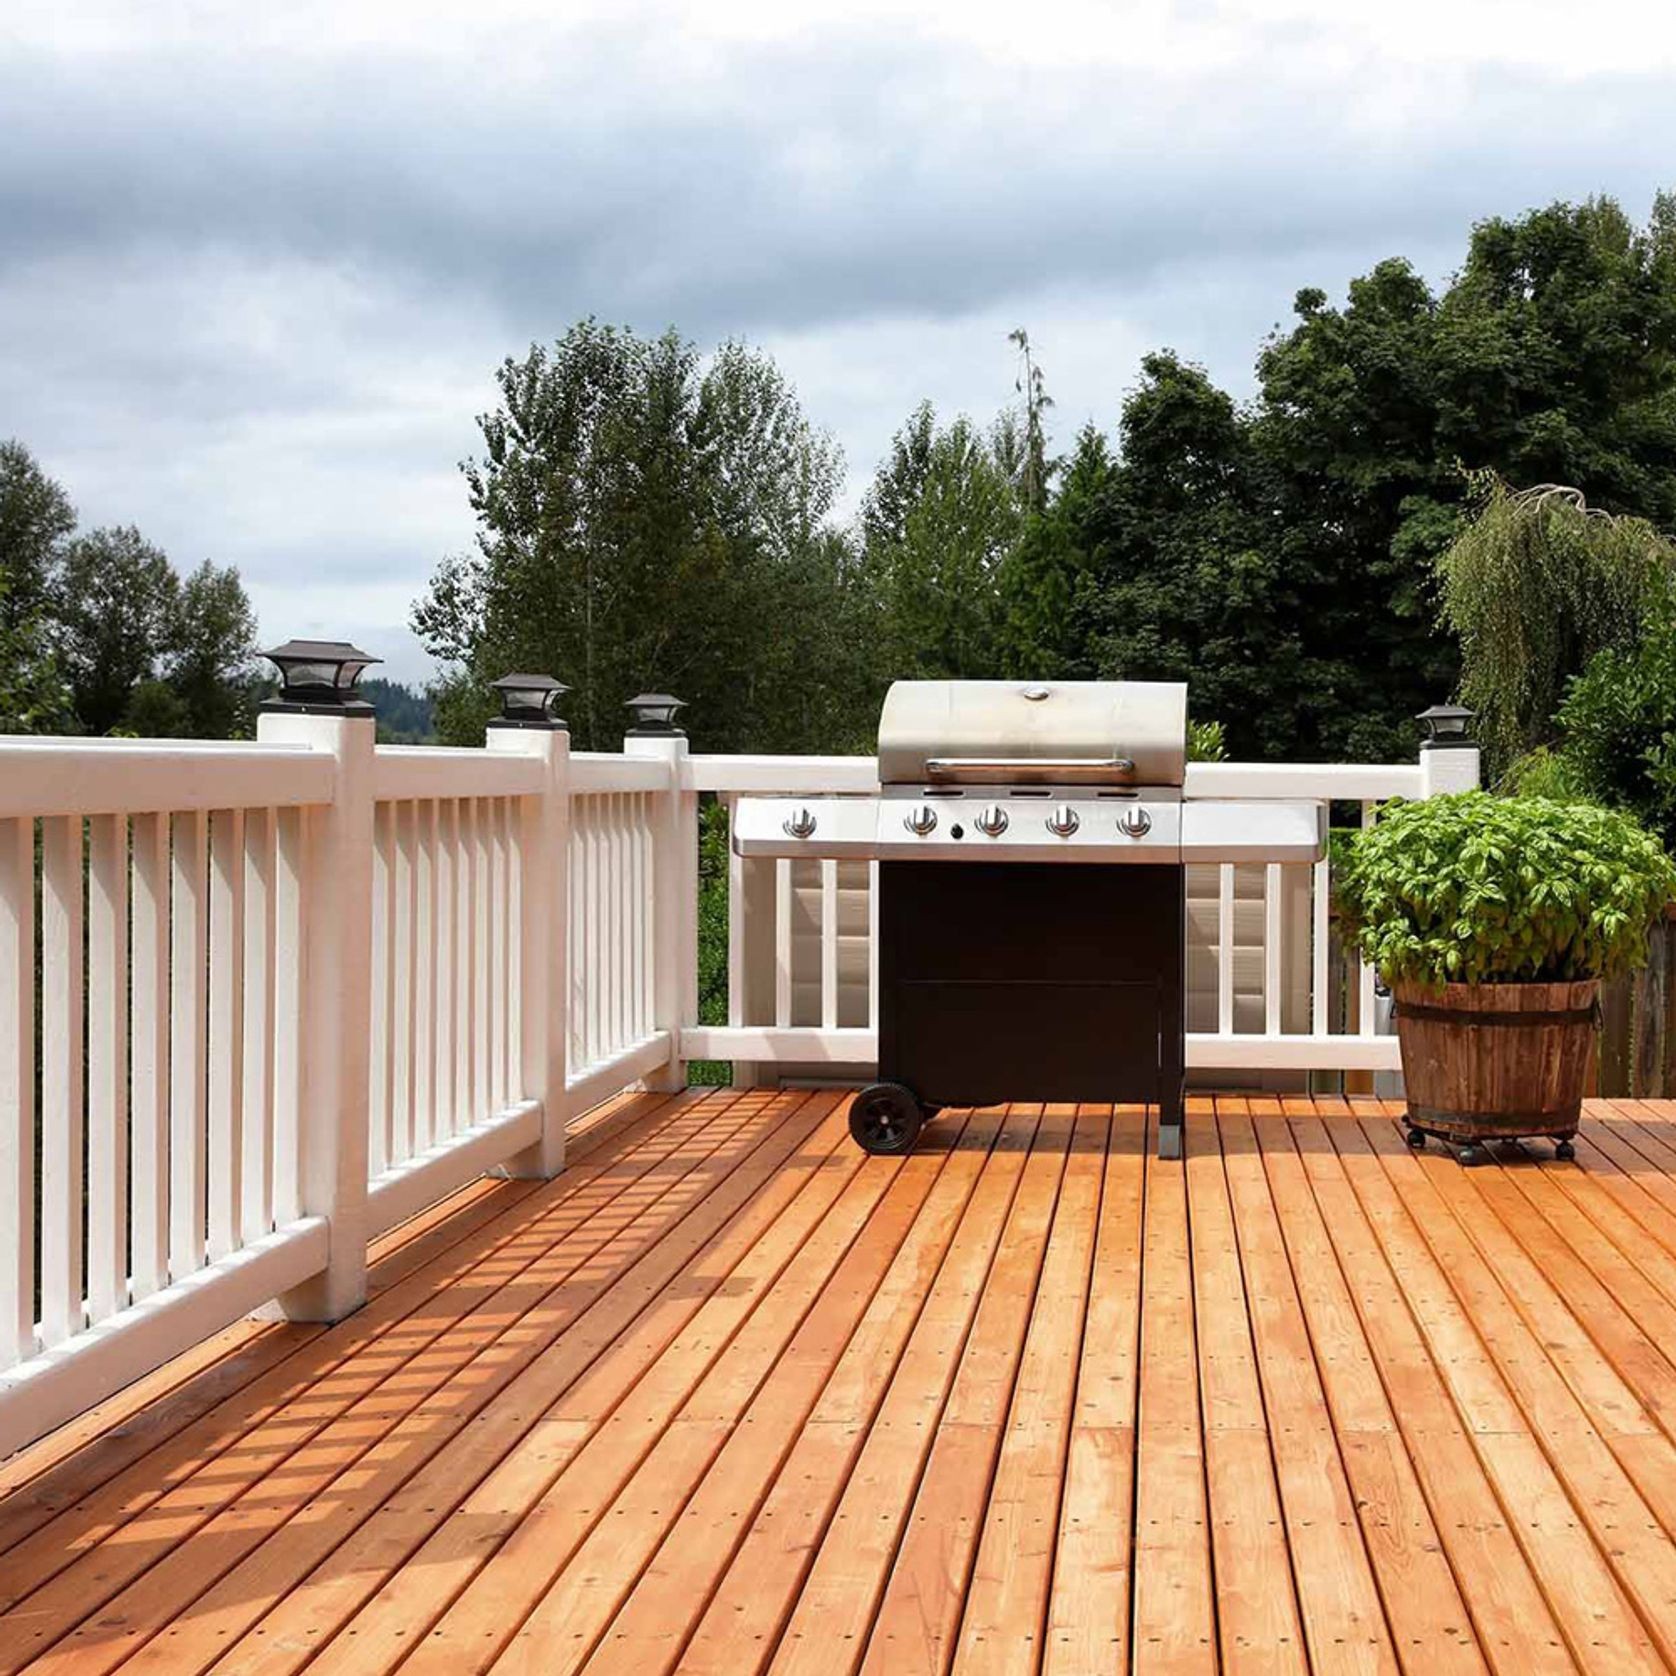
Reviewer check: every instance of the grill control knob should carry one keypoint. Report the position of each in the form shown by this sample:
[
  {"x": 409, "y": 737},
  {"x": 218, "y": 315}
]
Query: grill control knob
[
  {"x": 920, "y": 820},
  {"x": 1063, "y": 821},
  {"x": 1134, "y": 823},
  {"x": 800, "y": 823},
  {"x": 992, "y": 821}
]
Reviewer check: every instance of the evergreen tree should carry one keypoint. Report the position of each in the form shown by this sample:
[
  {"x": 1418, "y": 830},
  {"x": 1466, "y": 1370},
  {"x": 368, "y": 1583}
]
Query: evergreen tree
[
  {"x": 938, "y": 528},
  {"x": 649, "y": 521}
]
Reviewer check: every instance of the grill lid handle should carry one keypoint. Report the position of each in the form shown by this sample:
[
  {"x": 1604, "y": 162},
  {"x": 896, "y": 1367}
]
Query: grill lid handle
[{"x": 1068, "y": 769}]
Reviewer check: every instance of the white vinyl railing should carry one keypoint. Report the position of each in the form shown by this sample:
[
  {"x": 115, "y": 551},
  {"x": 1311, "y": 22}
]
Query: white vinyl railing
[
  {"x": 611, "y": 836},
  {"x": 803, "y": 968},
  {"x": 447, "y": 877},
  {"x": 150, "y": 1154},
  {"x": 288, "y": 993}
]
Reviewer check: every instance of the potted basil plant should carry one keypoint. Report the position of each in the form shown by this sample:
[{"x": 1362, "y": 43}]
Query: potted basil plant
[{"x": 1493, "y": 920}]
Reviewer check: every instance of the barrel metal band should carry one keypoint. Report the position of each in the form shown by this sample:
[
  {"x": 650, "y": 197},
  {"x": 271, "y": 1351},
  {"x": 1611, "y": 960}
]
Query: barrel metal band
[
  {"x": 1496, "y": 1021},
  {"x": 1518, "y": 1123}
]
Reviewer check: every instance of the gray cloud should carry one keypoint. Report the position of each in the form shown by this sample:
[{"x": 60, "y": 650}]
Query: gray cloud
[{"x": 252, "y": 301}]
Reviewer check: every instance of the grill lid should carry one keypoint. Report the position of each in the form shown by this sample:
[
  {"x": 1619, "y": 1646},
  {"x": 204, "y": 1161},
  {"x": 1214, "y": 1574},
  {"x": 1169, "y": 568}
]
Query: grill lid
[{"x": 1024, "y": 732}]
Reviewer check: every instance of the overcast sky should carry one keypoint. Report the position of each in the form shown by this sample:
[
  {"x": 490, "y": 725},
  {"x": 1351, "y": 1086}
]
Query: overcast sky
[{"x": 258, "y": 263}]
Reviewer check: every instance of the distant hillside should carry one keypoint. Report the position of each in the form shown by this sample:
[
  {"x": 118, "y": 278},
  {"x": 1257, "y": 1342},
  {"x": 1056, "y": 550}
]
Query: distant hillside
[{"x": 404, "y": 716}]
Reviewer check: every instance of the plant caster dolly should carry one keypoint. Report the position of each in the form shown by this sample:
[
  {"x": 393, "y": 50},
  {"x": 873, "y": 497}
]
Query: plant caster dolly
[
  {"x": 886, "y": 1118},
  {"x": 1417, "y": 1139},
  {"x": 1469, "y": 1154},
  {"x": 1565, "y": 1150}
]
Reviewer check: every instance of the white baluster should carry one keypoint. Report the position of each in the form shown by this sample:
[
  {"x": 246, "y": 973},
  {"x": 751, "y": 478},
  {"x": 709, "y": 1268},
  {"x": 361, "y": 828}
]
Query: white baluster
[
  {"x": 257, "y": 1097},
  {"x": 188, "y": 1050},
  {"x": 1225, "y": 951},
  {"x": 17, "y": 1090},
  {"x": 107, "y": 1067},
  {"x": 226, "y": 1040},
  {"x": 148, "y": 1088},
  {"x": 1271, "y": 949}
]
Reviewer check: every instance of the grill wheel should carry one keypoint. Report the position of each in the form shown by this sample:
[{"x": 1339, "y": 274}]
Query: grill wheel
[{"x": 886, "y": 1118}]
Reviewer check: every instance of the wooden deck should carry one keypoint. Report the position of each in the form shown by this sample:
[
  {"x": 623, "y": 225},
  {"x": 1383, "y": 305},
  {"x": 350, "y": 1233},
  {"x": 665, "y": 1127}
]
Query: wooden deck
[{"x": 729, "y": 1397}]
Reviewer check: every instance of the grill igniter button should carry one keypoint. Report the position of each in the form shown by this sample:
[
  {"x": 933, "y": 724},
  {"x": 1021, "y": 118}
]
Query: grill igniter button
[
  {"x": 992, "y": 821},
  {"x": 1134, "y": 823},
  {"x": 800, "y": 823},
  {"x": 1063, "y": 821},
  {"x": 920, "y": 820}
]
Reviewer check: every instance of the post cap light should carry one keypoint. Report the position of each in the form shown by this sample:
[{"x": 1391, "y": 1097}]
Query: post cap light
[
  {"x": 320, "y": 677},
  {"x": 654, "y": 714},
  {"x": 1447, "y": 726},
  {"x": 529, "y": 701}
]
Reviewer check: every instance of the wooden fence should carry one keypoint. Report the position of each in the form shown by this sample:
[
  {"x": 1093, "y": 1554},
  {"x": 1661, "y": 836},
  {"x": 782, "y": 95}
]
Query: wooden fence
[{"x": 1638, "y": 1025}]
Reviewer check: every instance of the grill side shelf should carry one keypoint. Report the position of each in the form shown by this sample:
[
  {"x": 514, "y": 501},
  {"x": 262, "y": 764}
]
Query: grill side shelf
[
  {"x": 838, "y": 828},
  {"x": 1234, "y": 831}
]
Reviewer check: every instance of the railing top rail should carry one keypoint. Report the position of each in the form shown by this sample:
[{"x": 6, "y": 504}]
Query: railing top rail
[
  {"x": 1351, "y": 781},
  {"x": 780, "y": 774},
  {"x": 604, "y": 771},
  {"x": 143, "y": 776},
  {"x": 411, "y": 771}
]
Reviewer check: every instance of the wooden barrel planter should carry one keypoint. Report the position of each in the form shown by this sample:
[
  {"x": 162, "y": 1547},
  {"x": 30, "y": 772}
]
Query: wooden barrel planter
[{"x": 1496, "y": 1061}]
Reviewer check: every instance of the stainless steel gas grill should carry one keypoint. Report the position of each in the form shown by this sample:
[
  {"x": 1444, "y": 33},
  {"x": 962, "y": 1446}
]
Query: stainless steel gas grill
[{"x": 1032, "y": 841}]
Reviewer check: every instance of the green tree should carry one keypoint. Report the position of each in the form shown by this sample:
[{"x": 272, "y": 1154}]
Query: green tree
[
  {"x": 1183, "y": 583},
  {"x": 1550, "y": 357},
  {"x": 1048, "y": 580},
  {"x": 114, "y": 603},
  {"x": 34, "y": 696},
  {"x": 938, "y": 526},
  {"x": 649, "y": 521},
  {"x": 1035, "y": 470},
  {"x": 1355, "y": 497},
  {"x": 211, "y": 653},
  {"x": 36, "y": 518},
  {"x": 1533, "y": 587},
  {"x": 155, "y": 711},
  {"x": 1556, "y": 354},
  {"x": 405, "y": 717},
  {"x": 99, "y": 634},
  {"x": 1283, "y": 556}
]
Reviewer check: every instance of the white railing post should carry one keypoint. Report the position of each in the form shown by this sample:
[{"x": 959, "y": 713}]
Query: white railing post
[
  {"x": 1446, "y": 766},
  {"x": 544, "y": 941},
  {"x": 334, "y": 1007},
  {"x": 674, "y": 900}
]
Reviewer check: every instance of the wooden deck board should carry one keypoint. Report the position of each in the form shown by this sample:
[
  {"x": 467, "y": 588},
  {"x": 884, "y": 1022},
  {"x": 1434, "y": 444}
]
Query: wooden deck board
[
  {"x": 729, "y": 1397},
  {"x": 423, "y": 1375}
]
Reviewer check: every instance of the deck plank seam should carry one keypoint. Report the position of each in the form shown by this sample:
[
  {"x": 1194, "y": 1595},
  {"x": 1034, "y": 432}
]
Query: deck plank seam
[
  {"x": 1046, "y": 1615},
  {"x": 401, "y": 1362},
  {"x": 1295, "y": 1307},
  {"x": 1288, "y": 1154},
  {"x": 1538, "y": 1435},
  {"x": 1262, "y": 1387},
  {"x": 774, "y": 1633},
  {"x": 1610, "y": 1438},
  {"x": 958, "y": 1633},
  {"x": 702, "y": 1373},
  {"x": 927, "y": 1215},
  {"x": 1404, "y": 1425},
  {"x": 1061, "y": 1161},
  {"x": 517, "y": 1224},
  {"x": 1001, "y": 1216},
  {"x": 822, "y": 1117},
  {"x": 929, "y": 1208},
  {"x": 813, "y": 1395},
  {"x": 1475, "y": 1434}
]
